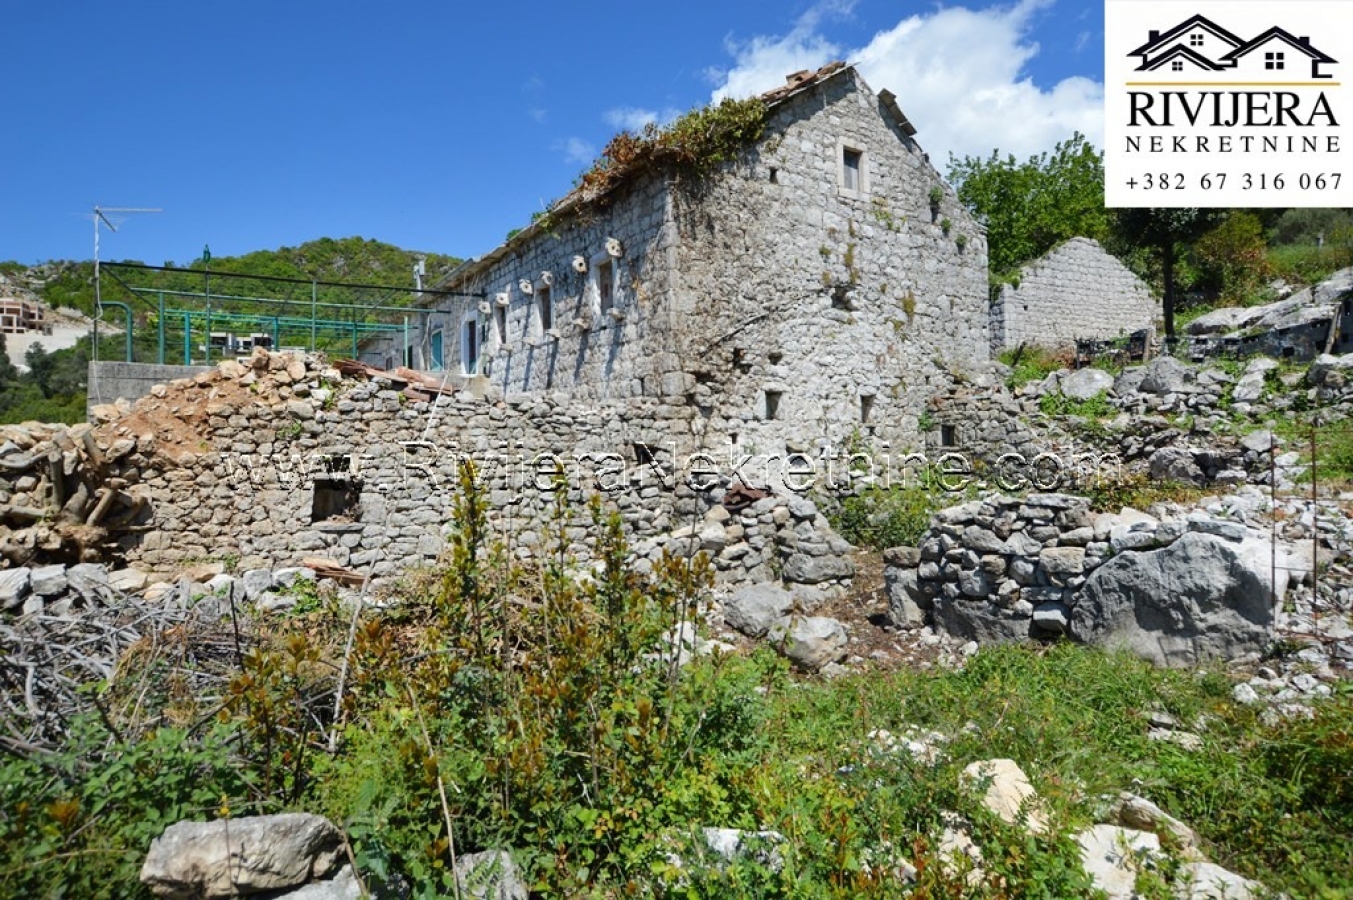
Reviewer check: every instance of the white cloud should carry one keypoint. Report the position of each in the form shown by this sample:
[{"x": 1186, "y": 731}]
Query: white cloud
[
  {"x": 576, "y": 150},
  {"x": 958, "y": 74},
  {"x": 629, "y": 118}
]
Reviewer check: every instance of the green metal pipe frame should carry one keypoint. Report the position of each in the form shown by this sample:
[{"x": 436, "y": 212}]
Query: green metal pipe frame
[{"x": 127, "y": 311}]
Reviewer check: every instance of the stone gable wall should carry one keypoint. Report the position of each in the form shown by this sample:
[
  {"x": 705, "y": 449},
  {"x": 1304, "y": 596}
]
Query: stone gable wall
[
  {"x": 1076, "y": 292},
  {"x": 854, "y": 307}
]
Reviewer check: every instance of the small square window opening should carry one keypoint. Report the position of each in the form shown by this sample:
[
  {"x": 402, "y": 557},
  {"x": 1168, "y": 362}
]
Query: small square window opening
[{"x": 773, "y": 405}]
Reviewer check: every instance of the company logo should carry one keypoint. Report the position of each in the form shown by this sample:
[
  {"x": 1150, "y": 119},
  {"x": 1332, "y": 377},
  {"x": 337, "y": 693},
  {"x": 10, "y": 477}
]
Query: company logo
[
  {"x": 1225, "y": 108},
  {"x": 1198, "y": 46}
]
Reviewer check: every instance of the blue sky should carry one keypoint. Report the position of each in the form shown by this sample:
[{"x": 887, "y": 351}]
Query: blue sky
[{"x": 256, "y": 124}]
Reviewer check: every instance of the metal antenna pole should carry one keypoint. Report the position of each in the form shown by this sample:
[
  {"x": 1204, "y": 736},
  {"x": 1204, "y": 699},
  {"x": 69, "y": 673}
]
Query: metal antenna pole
[{"x": 98, "y": 285}]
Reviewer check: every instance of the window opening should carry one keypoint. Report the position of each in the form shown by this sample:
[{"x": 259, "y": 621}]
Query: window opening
[
  {"x": 469, "y": 346},
  {"x": 544, "y": 309},
  {"x": 851, "y": 162},
  {"x": 773, "y": 404},
  {"x": 438, "y": 351},
  {"x": 336, "y": 494},
  {"x": 606, "y": 285}
]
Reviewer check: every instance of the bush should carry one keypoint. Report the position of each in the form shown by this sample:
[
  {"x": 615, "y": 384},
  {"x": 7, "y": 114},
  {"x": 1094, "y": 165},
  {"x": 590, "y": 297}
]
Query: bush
[{"x": 879, "y": 518}]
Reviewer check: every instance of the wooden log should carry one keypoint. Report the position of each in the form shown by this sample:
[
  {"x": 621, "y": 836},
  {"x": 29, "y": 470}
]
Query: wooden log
[
  {"x": 56, "y": 472},
  {"x": 101, "y": 508}
]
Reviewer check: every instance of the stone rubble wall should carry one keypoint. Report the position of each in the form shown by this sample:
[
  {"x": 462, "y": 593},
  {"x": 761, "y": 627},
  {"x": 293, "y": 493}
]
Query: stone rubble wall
[
  {"x": 1008, "y": 568},
  {"x": 270, "y": 461},
  {"x": 1076, "y": 291}
]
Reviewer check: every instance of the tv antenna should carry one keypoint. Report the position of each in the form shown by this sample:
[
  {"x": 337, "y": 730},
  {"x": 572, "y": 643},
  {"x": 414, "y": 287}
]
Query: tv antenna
[{"x": 100, "y": 217}]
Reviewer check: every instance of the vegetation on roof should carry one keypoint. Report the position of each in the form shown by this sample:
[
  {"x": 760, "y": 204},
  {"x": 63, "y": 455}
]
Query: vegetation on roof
[{"x": 697, "y": 142}]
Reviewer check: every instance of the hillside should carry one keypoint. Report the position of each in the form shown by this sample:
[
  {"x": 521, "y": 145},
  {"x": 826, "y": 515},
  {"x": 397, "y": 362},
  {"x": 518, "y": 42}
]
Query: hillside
[
  {"x": 350, "y": 259},
  {"x": 53, "y": 388}
]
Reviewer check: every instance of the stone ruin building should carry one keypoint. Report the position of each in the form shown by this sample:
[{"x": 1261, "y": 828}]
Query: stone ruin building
[
  {"x": 660, "y": 343},
  {"x": 822, "y": 286},
  {"x": 1075, "y": 292}
]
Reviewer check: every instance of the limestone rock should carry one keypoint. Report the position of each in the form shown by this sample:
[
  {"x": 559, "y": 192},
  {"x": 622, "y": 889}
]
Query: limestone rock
[
  {"x": 1201, "y": 880},
  {"x": 14, "y": 587},
  {"x": 1132, "y": 811},
  {"x": 801, "y": 568},
  {"x": 810, "y": 642},
  {"x": 906, "y": 603},
  {"x": 1200, "y": 598},
  {"x": 1085, "y": 384},
  {"x": 49, "y": 581},
  {"x": 731, "y": 844},
  {"x": 1113, "y": 856},
  {"x": 754, "y": 609},
  {"x": 343, "y": 886},
  {"x": 226, "y": 858},
  {"x": 1165, "y": 375},
  {"x": 1008, "y": 794},
  {"x": 1175, "y": 464}
]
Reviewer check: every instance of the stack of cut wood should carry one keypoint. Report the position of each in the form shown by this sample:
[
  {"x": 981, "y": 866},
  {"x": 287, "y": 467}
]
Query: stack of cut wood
[{"x": 62, "y": 497}]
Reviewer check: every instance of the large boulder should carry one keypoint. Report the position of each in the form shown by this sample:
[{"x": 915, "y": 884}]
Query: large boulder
[
  {"x": 232, "y": 857},
  {"x": 752, "y": 610},
  {"x": 1086, "y": 384},
  {"x": 1166, "y": 375},
  {"x": 1202, "y": 597}
]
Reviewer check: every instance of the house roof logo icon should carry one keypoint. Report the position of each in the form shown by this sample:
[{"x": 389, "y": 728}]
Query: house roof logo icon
[{"x": 1198, "y": 45}]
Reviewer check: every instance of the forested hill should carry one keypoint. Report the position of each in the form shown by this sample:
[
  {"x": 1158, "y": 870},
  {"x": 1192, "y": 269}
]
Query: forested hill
[{"x": 350, "y": 259}]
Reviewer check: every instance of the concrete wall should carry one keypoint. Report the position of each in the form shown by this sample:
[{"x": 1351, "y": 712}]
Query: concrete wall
[
  {"x": 113, "y": 381},
  {"x": 1076, "y": 292}
]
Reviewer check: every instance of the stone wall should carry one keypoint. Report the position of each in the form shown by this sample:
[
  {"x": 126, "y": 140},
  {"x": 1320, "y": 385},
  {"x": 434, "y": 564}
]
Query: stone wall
[
  {"x": 281, "y": 458},
  {"x": 110, "y": 381},
  {"x": 1178, "y": 591},
  {"x": 1075, "y": 292}
]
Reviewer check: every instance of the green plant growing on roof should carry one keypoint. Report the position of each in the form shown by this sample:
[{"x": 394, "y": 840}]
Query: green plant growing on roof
[{"x": 697, "y": 142}]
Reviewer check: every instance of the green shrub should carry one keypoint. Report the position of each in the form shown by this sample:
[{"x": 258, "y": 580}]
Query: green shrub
[{"x": 897, "y": 516}]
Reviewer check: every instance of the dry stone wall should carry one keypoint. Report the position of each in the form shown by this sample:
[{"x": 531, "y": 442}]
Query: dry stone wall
[
  {"x": 269, "y": 462},
  {"x": 1076, "y": 292}
]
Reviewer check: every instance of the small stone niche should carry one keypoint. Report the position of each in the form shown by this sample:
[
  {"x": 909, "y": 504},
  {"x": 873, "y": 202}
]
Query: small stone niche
[{"x": 337, "y": 493}]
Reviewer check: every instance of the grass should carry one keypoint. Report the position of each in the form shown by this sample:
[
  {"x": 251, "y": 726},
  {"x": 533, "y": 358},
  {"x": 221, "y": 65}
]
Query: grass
[{"x": 1032, "y": 364}]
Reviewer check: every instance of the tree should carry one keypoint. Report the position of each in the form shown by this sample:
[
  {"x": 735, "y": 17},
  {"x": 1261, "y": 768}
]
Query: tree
[
  {"x": 1233, "y": 257},
  {"x": 1033, "y": 206},
  {"x": 1165, "y": 231}
]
